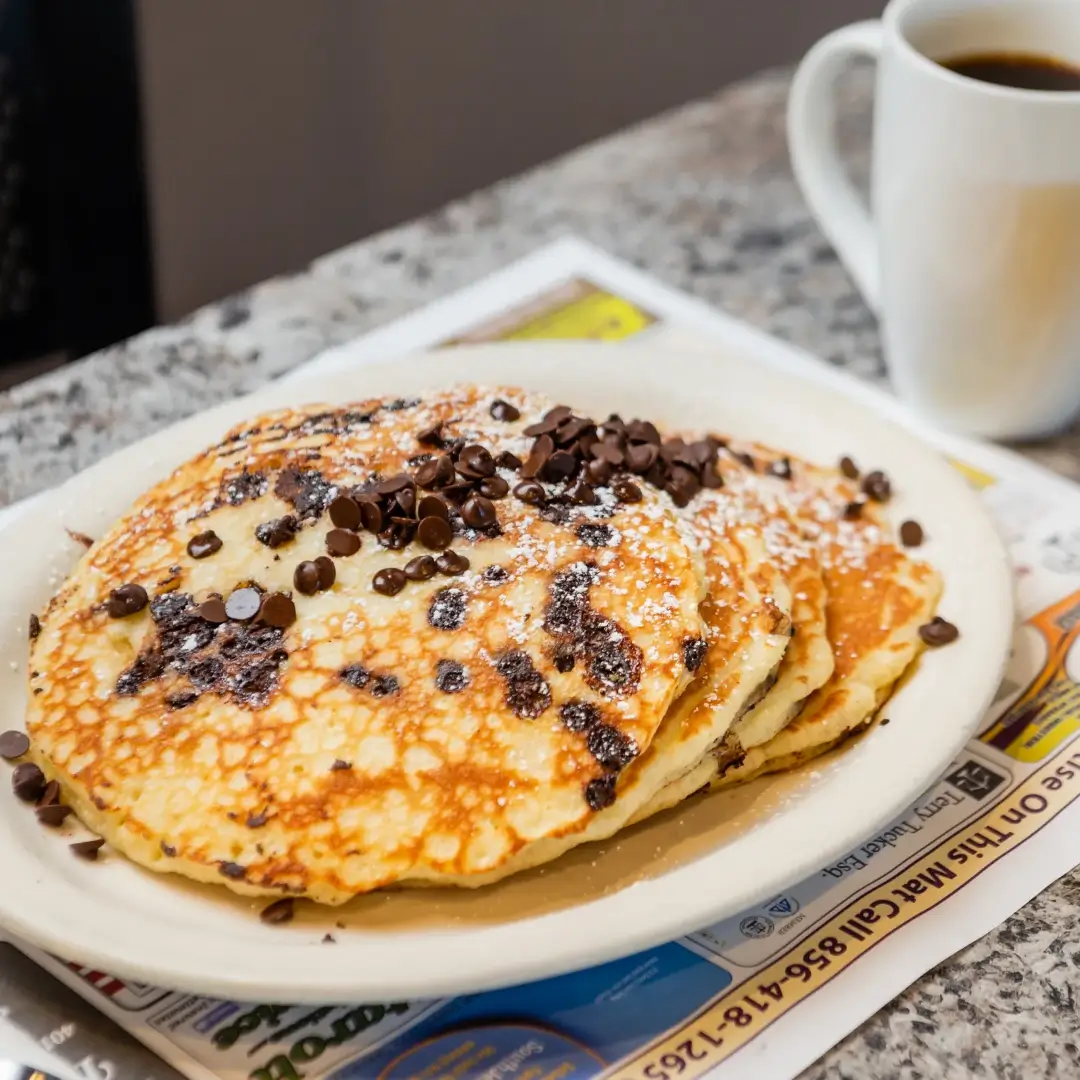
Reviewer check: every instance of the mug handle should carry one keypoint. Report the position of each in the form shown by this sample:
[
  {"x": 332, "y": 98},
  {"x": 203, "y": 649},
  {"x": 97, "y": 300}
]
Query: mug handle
[{"x": 811, "y": 130}]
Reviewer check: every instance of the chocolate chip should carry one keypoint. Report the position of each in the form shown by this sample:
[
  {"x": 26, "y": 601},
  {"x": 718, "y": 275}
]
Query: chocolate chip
[
  {"x": 506, "y": 460},
  {"x": 451, "y": 563},
  {"x": 611, "y": 748},
  {"x": 542, "y": 449},
  {"x": 458, "y": 493},
  {"x": 781, "y": 468},
  {"x": 340, "y": 766},
  {"x": 494, "y": 487},
  {"x": 503, "y": 410},
  {"x": 642, "y": 431},
  {"x": 476, "y": 461},
  {"x": 406, "y": 502},
  {"x": 599, "y": 472},
  {"x": 384, "y": 686},
  {"x": 50, "y": 796},
  {"x": 371, "y": 515},
  {"x": 640, "y": 459},
  {"x": 560, "y": 466},
  {"x": 876, "y": 485},
  {"x": 478, "y": 512},
  {"x": 853, "y": 511},
  {"x": 608, "y": 452},
  {"x": 306, "y": 578},
  {"x": 277, "y": 533},
  {"x": 626, "y": 491},
  {"x": 450, "y": 676},
  {"x": 432, "y": 506},
  {"x": 345, "y": 513},
  {"x": 911, "y": 534},
  {"x": 231, "y": 870},
  {"x": 88, "y": 849},
  {"x": 390, "y": 581},
  {"x": 849, "y": 468},
  {"x": 579, "y": 715},
  {"x": 394, "y": 484},
  {"x": 257, "y": 821},
  {"x": 35, "y": 627},
  {"x": 126, "y": 600},
  {"x": 582, "y": 494},
  {"x": 746, "y": 459},
  {"x": 243, "y": 604},
  {"x": 435, "y": 533},
  {"x": 494, "y": 574},
  {"x": 327, "y": 572},
  {"x": 277, "y": 610},
  {"x": 564, "y": 659},
  {"x": 168, "y": 850},
  {"x": 13, "y": 744},
  {"x": 430, "y": 436},
  {"x": 600, "y": 793},
  {"x": 278, "y": 912},
  {"x": 27, "y": 782},
  {"x": 938, "y": 631},
  {"x": 206, "y": 543},
  {"x": 328, "y": 939},
  {"x": 213, "y": 610},
  {"x": 529, "y": 491},
  {"x": 527, "y": 692},
  {"x": 53, "y": 816},
  {"x": 447, "y": 609},
  {"x": 421, "y": 568},
  {"x": 682, "y": 486},
  {"x": 693, "y": 652},
  {"x": 341, "y": 543},
  {"x": 399, "y": 534},
  {"x": 542, "y": 427}
]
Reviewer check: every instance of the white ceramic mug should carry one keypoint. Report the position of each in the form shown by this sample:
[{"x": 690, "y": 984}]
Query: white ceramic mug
[{"x": 972, "y": 255}]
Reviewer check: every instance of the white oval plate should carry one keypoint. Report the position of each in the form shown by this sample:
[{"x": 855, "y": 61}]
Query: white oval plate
[{"x": 674, "y": 874}]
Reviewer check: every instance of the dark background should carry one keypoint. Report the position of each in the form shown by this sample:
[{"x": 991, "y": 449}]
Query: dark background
[{"x": 157, "y": 154}]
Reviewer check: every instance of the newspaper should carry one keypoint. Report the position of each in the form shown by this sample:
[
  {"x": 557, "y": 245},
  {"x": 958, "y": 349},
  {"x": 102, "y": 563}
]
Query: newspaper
[{"x": 763, "y": 993}]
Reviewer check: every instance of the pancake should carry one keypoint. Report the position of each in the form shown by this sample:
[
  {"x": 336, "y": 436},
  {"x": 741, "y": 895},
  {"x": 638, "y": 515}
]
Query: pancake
[
  {"x": 752, "y": 511},
  {"x": 233, "y": 716},
  {"x": 877, "y": 598}
]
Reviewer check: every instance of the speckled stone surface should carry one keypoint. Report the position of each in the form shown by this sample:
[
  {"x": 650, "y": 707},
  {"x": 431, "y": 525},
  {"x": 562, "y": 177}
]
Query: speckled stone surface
[{"x": 702, "y": 198}]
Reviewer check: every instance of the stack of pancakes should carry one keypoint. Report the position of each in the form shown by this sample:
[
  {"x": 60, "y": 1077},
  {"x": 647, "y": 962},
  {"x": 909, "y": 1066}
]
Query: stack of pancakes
[{"x": 438, "y": 641}]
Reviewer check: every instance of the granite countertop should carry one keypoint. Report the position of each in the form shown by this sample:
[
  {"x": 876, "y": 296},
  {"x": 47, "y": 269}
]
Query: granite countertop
[{"x": 702, "y": 198}]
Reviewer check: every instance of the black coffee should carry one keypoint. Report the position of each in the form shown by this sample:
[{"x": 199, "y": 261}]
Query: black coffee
[{"x": 1025, "y": 71}]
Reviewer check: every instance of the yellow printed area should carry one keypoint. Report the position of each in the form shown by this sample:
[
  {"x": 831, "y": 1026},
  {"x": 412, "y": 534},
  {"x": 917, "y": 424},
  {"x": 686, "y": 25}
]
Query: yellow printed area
[
  {"x": 731, "y": 1021},
  {"x": 599, "y": 316},
  {"x": 978, "y": 479},
  {"x": 1048, "y": 711}
]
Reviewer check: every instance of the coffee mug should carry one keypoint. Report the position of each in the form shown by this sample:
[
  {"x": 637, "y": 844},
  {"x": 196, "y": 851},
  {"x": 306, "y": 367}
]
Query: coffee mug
[{"x": 971, "y": 256}]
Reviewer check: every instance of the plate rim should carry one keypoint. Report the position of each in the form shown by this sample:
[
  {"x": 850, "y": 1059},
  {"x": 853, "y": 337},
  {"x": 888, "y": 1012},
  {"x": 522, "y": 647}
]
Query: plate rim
[{"x": 503, "y": 964}]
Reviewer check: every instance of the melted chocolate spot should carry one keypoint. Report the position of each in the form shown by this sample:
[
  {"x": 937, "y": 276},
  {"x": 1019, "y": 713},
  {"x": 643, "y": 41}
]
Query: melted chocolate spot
[
  {"x": 277, "y": 532},
  {"x": 579, "y": 715},
  {"x": 448, "y": 609},
  {"x": 494, "y": 574},
  {"x": 307, "y": 491},
  {"x": 384, "y": 686},
  {"x": 231, "y": 870},
  {"x": 35, "y": 627},
  {"x": 451, "y": 677},
  {"x": 527, "y": 692},
  {"x": 356, "y": 675},
  {"x": 612, "y": 661},
  {"x": 239, "y": 489},
  {"x": 168, "y": 850},
  {"x": 600, "y": 793},
  {"x": 596, "y": 535},
  {"x": 693, "y": 652},
  {"x": 257, "y": 821},
  {"x": 611, "y": 748}
]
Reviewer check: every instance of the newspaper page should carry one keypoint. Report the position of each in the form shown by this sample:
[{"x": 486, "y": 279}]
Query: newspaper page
[{"x": 763, "y": 993}]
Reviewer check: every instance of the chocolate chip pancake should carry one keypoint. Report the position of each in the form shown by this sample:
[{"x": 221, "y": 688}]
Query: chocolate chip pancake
[
  {"x": 397, "y": 642},
  {"x": 876, "y": 599}
]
